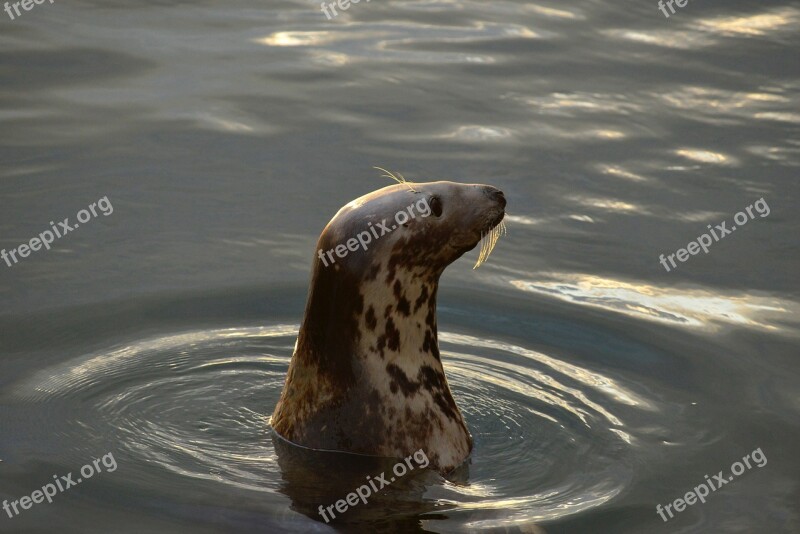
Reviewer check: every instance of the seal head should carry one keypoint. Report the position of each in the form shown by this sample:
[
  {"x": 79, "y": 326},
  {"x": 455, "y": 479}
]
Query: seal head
[{"x": 366, "y": 376}]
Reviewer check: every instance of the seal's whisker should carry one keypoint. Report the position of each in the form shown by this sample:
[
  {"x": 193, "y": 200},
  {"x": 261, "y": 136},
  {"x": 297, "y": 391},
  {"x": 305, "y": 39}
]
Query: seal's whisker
[
  {"x": 488, "y": 242},
  {"x": 485, "y": 239},
  {"x": 495, "y": 236},
  {"x": 400, "y": 180},
  {"x": 480, "y": 254},
  {"x": 489, "y": 245}
]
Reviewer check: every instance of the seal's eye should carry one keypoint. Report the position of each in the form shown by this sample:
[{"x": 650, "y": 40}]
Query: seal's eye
[{"x": 436, "y": 206}]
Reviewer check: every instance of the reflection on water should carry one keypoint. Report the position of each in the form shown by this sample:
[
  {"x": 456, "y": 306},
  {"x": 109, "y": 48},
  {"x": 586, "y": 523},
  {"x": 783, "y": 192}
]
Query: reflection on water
[
  {"x": 705, "y": 32},
  {"x": 691, "y": 308},
  {"x": 771, "y": 22}
]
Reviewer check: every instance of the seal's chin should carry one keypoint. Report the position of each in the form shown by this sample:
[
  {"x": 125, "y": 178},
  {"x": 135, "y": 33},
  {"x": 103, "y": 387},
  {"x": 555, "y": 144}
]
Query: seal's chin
[
  {"x": 491, "y": 224},
  {"x": 497, "y": 220},
  {"x": 475, "y": 237}
]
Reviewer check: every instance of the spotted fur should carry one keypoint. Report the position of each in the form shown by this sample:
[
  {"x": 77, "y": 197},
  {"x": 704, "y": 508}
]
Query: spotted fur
[{"x": 366, "y": 375}]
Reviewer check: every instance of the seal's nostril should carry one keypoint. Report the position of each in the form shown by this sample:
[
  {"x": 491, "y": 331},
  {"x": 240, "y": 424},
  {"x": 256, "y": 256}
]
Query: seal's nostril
[
  {"x": 496, "y": 195},
  {"x": 499, "y": 197}
]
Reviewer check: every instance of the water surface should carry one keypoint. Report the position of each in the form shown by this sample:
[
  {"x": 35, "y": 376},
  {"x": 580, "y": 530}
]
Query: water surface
[{"x": 597, "y": 385}]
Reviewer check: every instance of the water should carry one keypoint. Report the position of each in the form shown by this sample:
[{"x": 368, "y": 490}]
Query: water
[{"x": 597, "y": 385}]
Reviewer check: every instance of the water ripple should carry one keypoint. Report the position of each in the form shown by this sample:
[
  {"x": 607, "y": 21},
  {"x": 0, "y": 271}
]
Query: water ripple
[{"x": 193, "y": 408}]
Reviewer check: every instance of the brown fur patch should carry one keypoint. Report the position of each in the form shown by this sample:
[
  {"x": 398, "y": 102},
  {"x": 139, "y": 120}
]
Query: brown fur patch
[
  {"x": 392, "y": 335},
  {"x": 370, "y": 318}
]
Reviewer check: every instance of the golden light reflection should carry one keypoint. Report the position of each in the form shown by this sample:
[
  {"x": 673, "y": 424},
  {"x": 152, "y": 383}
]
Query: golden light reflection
[
  {"x": 699, "y": 216},
  {"x": 607, "y": 134},
  {"x": 720, "y": 106},
  {"x": 208, "y": 120},
  {"x": 596, "y": 381},
  {"x": 551, "y": 12},
  {"x": 693, "y": 308},
  {"x": 622, "y": 173},
  {"x": 624, "y": 436},
  {"x": 778, "y": 116},
  {"x": 753, "y": 25},
  {"x": 479, "y": 133},
  {"x": 572, "y": 104},
  {"x": 332, "y": 59},
  {"x": 667, "y": 39},
  {"x": 532, "y": 390},
  {"x": 705, "y": 156},
  {"x": 706, "y": 32},
  {"x": 295, "y": 39},
  {"x": 590, "y": 134},
  {"x": 609, "y": 204},
  {"x": 474, "y": 489},
  {"x": 765, "y": 97},
  {"x": 521, "y": 219},
  {"x": 521, "y": 31},
  {"x": 788, "y": 156},
  {"x": 534, "y": 507},
  {"x": 63, "y": 378}
]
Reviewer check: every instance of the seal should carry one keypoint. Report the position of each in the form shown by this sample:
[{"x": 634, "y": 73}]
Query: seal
[{"x": 366, "y": 375}]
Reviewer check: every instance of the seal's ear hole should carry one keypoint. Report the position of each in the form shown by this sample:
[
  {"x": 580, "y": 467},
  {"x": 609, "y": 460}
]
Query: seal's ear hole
[{"x": 436, "y": 206}]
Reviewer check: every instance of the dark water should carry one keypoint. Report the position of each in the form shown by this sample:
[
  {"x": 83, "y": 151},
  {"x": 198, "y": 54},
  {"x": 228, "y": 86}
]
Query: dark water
[{"x": 597, "y": 385}]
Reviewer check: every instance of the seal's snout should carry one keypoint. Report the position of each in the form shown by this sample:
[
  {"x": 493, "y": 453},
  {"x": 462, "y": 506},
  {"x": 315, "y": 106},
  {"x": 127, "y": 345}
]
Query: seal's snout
[{"x": 496, "y": 195}]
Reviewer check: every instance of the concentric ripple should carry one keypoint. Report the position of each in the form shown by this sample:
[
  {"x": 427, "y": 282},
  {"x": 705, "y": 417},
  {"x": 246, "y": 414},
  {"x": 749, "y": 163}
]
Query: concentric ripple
[{"x": 189, "y": 414}]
